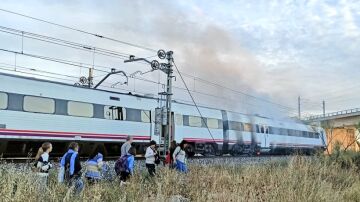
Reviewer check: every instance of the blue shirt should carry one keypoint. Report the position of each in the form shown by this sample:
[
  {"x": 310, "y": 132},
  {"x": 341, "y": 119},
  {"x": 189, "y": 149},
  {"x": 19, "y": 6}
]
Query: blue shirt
[{"x": 72, "y": 160}]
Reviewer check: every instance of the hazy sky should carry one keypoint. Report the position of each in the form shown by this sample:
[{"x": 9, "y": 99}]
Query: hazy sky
[{"x": 275, "y": 50}]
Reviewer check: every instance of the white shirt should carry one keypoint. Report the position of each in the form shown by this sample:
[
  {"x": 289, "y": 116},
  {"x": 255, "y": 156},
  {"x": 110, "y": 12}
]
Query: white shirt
[
  {"x": 179, "y": 154},
  {"x": 45, "y": 165},
  {"x": 45, "y": 157},
  {"x": 150, "y": 156}
]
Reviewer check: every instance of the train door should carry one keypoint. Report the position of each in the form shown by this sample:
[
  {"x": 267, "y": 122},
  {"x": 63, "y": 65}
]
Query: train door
[{"x": 265, "y": 142}]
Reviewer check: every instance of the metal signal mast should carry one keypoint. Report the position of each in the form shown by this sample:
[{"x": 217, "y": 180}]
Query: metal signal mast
[{"x": 166, "y": 117}]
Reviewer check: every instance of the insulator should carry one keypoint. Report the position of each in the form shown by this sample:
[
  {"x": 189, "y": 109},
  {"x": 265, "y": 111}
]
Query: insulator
[
  {"x": 83, "y": 80},
  {"x": 155, "y": 64},
  {"x": 161, "y": 54}
]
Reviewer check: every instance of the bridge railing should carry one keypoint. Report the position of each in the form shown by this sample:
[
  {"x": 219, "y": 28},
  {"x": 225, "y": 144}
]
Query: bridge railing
[{"x": 342, "y": 112}]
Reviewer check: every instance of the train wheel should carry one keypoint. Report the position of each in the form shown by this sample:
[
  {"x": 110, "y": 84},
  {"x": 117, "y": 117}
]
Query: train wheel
[
  {"x": 209, "y": 150},
  {"x": 190, "y": 150},
  {"x": 237, "y": 150}
]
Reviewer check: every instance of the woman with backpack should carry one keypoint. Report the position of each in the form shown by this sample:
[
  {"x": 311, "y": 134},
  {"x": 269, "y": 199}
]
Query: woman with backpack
[
  {"x": 128, "y": 171},
  {"x": 151, "y": 157},
  {"x": 94, "y": 165},
  {"x": 42, "y": 164},
  {"x": 180, "y": 157},
  {"x": 70, "y": 168}
]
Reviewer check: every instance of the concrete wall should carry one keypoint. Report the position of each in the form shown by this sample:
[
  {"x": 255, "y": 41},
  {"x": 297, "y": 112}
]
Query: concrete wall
[{"x": 345, "y": 136}]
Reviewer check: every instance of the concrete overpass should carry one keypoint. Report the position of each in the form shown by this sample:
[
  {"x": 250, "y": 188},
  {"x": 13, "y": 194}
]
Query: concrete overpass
[{"x": 341, "y": 127}]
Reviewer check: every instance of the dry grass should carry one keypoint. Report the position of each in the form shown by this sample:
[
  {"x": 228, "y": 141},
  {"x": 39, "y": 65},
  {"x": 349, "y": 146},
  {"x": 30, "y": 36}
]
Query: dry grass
[{"x": 302, "y": 179}]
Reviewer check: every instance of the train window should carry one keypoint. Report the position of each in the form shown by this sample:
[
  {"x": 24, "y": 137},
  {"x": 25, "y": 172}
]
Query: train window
[
  {"x": 220, "y": 123},
  {"x": 291, "y": 132},
  {"x": 145, "y": 116},
  {"x": 195, "y": 121},
  {"x": 304, "y": 134},
  {"x": 3, "y": 100},
  {"x": 39, "y": 104},
  {"x": 262, "y": 129},
  {"x": 186, "y": 120},
  {"x": 133, "y": 115},
  {"x": 114, "y": 113},
  {"x": 298, "y": 133},
  {"x": 233, "y": 125},
  {"x": 247, "y": 127},
  {"x": 212, "y": 123},
  {"x": 311, "y": 135},
  {"x": 283, "y": 131},
  {"x": 317, "y": 135},
  {"x": 179, "y": 119},
  {"x": 80, "y": 109},
  {"x": 271, "y": 130}
]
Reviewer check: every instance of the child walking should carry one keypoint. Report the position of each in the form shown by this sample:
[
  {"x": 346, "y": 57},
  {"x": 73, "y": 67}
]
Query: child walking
[{"x": 42, "y": 164}]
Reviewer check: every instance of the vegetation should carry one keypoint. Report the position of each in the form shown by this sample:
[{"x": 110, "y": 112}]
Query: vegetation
[{"x": 300, "y": 179}]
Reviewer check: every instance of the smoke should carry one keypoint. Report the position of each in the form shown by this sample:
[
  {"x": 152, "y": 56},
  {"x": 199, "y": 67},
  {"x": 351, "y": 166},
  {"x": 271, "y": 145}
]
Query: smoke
[{"x": 208, "y": 51}]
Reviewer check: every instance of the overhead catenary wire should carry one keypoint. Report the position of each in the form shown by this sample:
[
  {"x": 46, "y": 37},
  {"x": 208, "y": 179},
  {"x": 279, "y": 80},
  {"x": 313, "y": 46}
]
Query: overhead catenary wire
[
  {"x": 80, "y": 30},
  {"x": 65, "y": 43}
]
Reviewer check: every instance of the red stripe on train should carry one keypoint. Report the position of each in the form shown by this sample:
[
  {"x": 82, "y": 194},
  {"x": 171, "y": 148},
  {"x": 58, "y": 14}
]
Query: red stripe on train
[{"x": 11, "y": 132}]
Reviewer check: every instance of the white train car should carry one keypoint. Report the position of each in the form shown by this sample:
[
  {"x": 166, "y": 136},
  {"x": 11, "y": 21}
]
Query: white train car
[{"x": 34, "y": 110}]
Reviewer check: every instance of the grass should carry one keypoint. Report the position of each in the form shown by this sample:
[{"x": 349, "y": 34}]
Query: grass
[{"x": 301, "y": 179}]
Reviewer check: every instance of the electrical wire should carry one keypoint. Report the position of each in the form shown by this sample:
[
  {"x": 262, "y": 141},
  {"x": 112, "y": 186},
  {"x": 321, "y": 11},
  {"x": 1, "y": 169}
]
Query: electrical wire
[
  {"x": 69, "y": 44},
  {"x": 79, "y": 30}
]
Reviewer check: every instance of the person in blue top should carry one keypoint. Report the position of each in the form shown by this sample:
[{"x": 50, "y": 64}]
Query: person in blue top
[
  {"x": 124, "y": 175},
  {"x": 70, "y": 168},
  {"x": 95, "y": 164}
]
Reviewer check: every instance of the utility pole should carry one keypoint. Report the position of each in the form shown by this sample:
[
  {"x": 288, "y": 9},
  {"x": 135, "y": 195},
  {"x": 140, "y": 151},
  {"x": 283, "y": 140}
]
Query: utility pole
[
  {"x": 169, "y": 72},
  {"x": 90, "y": 77},
  {"x": 323, "y": 105},
  {"x": 166, "y": 118},
  {"x": 299, "y": 109}
]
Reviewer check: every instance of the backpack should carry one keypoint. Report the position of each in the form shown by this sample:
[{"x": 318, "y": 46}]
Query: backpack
[
  {"x": 157, "y": 159},
  {"x": 121, "y": 165},
  {"x": 67, "y": 175}
]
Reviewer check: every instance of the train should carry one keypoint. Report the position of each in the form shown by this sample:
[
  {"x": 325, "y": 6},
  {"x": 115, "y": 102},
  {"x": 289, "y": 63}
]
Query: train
[{"x": 34, "y": 110}]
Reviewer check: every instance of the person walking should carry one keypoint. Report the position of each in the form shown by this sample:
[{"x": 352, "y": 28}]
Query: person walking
[
  {"x": 70, "y": 168},
  {"x": 126, "y": 146},
  {"x": 180, "y": 157},
  {"x": 150, "y": 156},
  {"x": 42, "y": 164},
  {"x": 94, "y": 165},
  {"x": 129, "y": 170}
]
